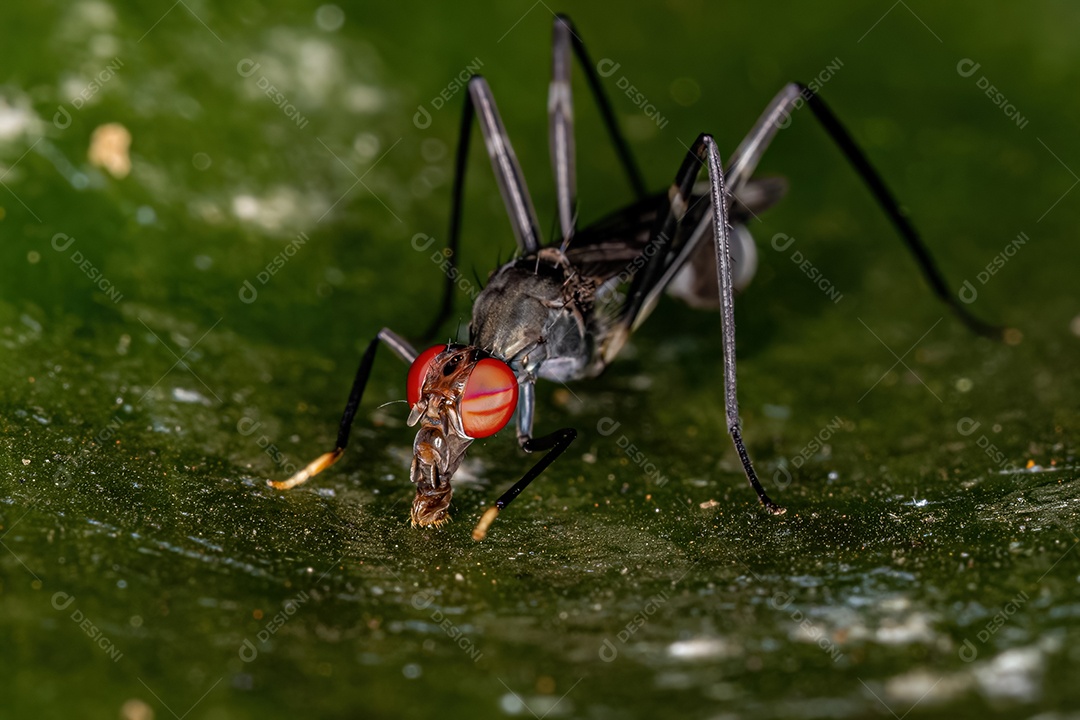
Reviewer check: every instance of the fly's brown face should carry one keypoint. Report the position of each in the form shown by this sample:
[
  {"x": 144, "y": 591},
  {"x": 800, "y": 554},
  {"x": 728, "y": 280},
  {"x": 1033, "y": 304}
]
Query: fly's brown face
[
  {"x": 457, "y": 394},
  {"x": 436, "y": 456}
]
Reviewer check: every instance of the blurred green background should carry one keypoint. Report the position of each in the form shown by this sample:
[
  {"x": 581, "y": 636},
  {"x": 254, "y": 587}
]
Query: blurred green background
[{"x": 927, "y": 563}]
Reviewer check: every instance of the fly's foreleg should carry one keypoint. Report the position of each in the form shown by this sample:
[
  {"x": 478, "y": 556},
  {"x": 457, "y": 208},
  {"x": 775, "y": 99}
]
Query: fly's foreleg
[
  {"x": 554, "y": 443},
  {"x": 480, "y": 107},
  {"x": 403, "y": 350}
]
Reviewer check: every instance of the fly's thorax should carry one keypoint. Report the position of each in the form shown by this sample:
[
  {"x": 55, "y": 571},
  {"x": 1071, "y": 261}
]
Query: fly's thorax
[
  {"x": 510, "y": 314},
  {"x": 538, "y": 317}
]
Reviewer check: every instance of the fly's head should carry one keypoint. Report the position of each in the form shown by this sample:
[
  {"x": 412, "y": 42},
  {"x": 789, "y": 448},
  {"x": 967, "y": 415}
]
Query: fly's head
[{"x": 457, "y": 393}]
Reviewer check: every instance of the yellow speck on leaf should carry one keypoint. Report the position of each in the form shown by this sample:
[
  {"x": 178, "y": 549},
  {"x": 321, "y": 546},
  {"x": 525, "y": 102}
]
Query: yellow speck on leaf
[{"x": 109, "y": 145}]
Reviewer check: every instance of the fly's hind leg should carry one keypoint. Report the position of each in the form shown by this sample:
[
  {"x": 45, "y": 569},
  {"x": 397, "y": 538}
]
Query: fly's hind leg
[
  {"x": 706, "y": 146},
  {"x": 657, "y": 274},
  {"x": 777, "y": 115},
  {"x": 566, "y": 43}
]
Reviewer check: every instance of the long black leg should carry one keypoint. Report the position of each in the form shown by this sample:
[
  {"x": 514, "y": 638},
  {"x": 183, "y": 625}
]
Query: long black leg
[
  {"x": 662, "y": 258},
  {"x": 658, "y": 248},
  {"x": 702, "y": 153},
  {"x": 561, "y": 121},
  {"x": 740, "y": 171},
  {"x": 565, "y": 36},
  {"x": 899, "y": 219},
  {"x": 718, "y": 198},
  {"x": 622, "y": 148},
  {"x": 751, "y": 149},
  {"x": 666, "y": 260},
  {"x": 504, "y": 163},
  {"x": 561, "y": 126},
  {"x": 480, "y": 104},
  {"x": 403, "y": 350},
  {"x": 446, "y": 303},
  {"x": 555, "y": 444}
]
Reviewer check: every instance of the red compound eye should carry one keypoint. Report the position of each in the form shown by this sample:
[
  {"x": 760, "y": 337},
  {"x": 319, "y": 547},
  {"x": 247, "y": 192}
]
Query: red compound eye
[
  {"x": 418, "y": 373},
  {"x": 491, "y": 394}
]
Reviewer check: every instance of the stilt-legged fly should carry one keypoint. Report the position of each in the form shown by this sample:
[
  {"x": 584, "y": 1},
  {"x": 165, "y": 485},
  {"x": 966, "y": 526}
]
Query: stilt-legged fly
[{"x": 562, "y": 311}]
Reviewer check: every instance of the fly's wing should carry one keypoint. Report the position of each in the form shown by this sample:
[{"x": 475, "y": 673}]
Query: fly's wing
[
  {"x": 612, "y": 249},
  {"x": 608, "y": 247},
  {"x": 756, "y": 197},
  {"x": 696, "y": 282}
]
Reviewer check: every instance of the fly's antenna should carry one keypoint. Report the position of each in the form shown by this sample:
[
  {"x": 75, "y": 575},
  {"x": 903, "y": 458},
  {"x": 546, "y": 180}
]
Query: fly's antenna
[
  {"x": 566, "y": 243},
  {"x": 554, "y": 232},
  {"x": 573, "y": 230}
]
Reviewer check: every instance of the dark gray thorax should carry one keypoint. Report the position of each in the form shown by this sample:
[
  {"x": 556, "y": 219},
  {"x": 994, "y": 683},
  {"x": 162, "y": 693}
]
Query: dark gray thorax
[{"x": 537, "y": 320}]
